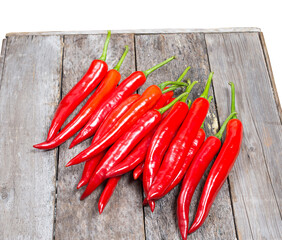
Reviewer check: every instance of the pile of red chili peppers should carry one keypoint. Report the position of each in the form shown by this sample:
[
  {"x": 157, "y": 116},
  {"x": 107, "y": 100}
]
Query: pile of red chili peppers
[{"x": 159, "y": 137}]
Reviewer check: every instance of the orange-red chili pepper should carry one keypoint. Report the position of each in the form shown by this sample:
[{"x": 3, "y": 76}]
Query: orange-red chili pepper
[
  {"x": 221, "y": 167},
  {"x": 80, "y": 91},
  {"x": 124, "y": 90},
  {"x": 179, "y": 147},
  {"x": 137, "y": 109},
  {"x": 108, "y": 84}
]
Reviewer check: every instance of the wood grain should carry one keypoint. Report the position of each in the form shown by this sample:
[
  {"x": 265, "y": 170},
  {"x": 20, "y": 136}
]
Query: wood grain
[
  {"x": 28, "y": 97},
  {"x": 190, "y": 50},
  {"x": 2, "y": 56},
  {"x": 123, "y": 216},
  {"x": 256, "y": 177}
]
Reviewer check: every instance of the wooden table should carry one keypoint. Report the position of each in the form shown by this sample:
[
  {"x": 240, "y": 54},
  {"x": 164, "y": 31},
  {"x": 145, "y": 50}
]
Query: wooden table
[{"x": 38, "y": 196}]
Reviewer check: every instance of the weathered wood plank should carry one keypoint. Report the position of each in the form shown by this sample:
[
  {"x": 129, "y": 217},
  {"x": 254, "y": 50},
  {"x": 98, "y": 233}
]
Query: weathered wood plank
[
  {"x": 256, "y": 177},
  {"x": 143, "y": 31},
  {"x": 123, "y": 216},
  {"x": 190, "y": 50},
  {"x": 2, "y": 56},
  {"x": 271, "y": 76},
  {"x": 28, "y": 96}
]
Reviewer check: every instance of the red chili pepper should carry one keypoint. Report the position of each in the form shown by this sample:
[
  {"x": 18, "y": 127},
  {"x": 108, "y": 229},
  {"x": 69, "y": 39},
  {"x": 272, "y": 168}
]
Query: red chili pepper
[
  {"x": 138, "y": 154},
  {"x": 125, "y": 144},
  {"x": 195, "y": 146},
  {"x": 221, "y": 167},
  {"x": 179, "y": 147},
  {"x": 108, "y": 84},
  {"x": 193, "y": 176},
  {"x": 103, "y": 129},
  {"x": 80, "y": 91},
  {"x": 138, "y": 108},
  {"x": 89, "y": 168},
  {"x": 124, "y": 90},
  {"x": 107, "y": 193},
  {"x": 138, "y": 171}
]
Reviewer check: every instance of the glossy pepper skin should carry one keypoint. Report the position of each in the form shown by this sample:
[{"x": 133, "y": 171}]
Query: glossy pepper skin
[
  {"x": 124, "y": 90},
  {"x": 138, "y": 154},
  {"x": 221, "y": 167},
  {"x": 195, "y": 146},
  {"x": 138, "y": 171},
  {"x": 161, "y": 141},
  {"x": 122, "y": 147},
  {"x": 89, "y": 168},
  {"x": 116, "y": 114},
  {"x": 107, "y": 193},
  {"x": 179, "y": 147},
  {"x": 79, "y": 92},
  {"x": 107, "y": 86},
  {"x": 137, "y": 109},
  {"x": 192, "y": 178}
]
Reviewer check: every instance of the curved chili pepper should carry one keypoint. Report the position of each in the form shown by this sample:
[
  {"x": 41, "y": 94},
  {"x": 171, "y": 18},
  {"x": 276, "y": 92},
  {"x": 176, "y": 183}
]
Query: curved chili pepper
[
  {"x": 193, "y": 176},
  {"x": 80, "y": 91},
  {"x": 138, "y": 154},
  {"x": 138, "y": 171},
  {"x": 89, "y": 168},
  {"x": 195, "y": 146},
  {"x": 108, "y": 84},
  {"x": 107, "y": 193},
  {"x": 124, "y": 90},
  {"x": 179, "y": 147},
  {"x": 138, "y": 108},
  {"x": 221, "y": 167},
  {"x": 124, "y": 145},
  {"x": 104, "y": 128},
  {"x": 162, "y": 139}
]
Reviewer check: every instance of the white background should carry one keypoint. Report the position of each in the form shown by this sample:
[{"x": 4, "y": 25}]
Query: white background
[{"x": 51, "y": 15}]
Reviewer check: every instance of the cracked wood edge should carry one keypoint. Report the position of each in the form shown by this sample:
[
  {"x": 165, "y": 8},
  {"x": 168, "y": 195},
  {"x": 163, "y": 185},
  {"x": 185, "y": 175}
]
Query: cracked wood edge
[
  {"x": 255, "y": 180},
  {"x": 123, "y": 216},
  {"x": 190, "y": 49},
  {"x": 29, "y": 95},
  {"x": 143, "y": 31}
]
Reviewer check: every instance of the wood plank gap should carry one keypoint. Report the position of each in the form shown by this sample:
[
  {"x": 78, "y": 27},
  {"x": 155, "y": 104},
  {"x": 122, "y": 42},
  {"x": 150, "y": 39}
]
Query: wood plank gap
[
  {"x": 58, "y": 151},
  {"x": 143, "y": 31},
  {"x": 270, "y": 73},
  {"x": 219, "y": 126},
  {"x": 144, "y": 222}
]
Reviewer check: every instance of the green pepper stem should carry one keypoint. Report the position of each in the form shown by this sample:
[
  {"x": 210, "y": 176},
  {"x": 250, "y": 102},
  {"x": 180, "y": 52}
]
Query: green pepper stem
[
  {"x": 149, "y": 71},
  {"x": 189, "y": 103},
  {"x": 170, "y": 89},
  {"x": 168, "y": 106},
  {"x": 164, "y": 84},
  {"x": 117, "y": 67},
  {"x": 104, "y": 54},
  {"x": 183, "y": 74},
  {"x": 233, "y": 98},
  {"x": 220, "y": 132},
  {"x": 188, "y": 90},
  {"x": 209, "y": 99},
  {"x": 208, "y": 84}
]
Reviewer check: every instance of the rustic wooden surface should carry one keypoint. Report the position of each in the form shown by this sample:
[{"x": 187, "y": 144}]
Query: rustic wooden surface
[
  {"x": 191, "y": 51},
  {"x": 38, "y": 196},
  {"x": 255, "y": 180},
  {"x": 29, "y": 95}
]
